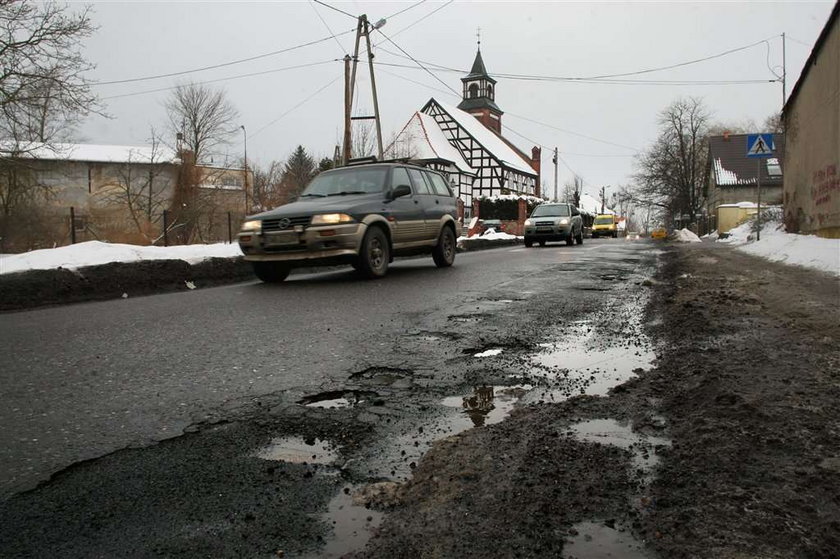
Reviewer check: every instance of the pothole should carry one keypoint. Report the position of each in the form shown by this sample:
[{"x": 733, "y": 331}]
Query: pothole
[
  {"x": 337, "y": 399},
  {"x": 592, "y": 540},
  {"x": 612, "y": 432},
  {"x": 467, "y": 318},
  {"x": 385, "y": 376},
  {"x": 485, "y": 406},
  {"x": 297, "y": 450},
  {"x": 352, "y": 523}
]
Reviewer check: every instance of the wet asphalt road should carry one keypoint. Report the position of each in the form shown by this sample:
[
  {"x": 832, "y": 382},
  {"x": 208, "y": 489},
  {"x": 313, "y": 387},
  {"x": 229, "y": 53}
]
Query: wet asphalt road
[{"x": 82, "y": 381}]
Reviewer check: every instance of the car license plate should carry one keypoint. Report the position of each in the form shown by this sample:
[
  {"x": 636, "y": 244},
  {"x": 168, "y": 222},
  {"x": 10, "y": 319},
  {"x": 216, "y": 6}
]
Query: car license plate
[{"x": 281, "y": 238}]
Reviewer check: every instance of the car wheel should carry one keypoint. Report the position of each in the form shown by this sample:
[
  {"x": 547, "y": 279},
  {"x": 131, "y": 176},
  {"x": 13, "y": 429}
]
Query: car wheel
[
  {"x": 542, "y": 243},
  {"x": 271, "y": 272},
  {"x": 374, "y": 254},
  {"x": 579, "y": 237},
  {"x": 444, "y": 251},
  {"x": 570, "y": 239},
  {"x": 615, "y": 235},
  {"x": 529, "y": 242}
]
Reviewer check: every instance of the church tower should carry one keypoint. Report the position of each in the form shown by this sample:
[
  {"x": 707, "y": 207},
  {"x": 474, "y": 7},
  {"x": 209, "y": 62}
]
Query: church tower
[{"x": 479, "y": 96}]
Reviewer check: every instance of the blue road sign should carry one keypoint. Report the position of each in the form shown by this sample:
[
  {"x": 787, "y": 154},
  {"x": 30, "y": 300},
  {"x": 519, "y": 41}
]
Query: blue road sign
[{"x": 760, "y": 145}]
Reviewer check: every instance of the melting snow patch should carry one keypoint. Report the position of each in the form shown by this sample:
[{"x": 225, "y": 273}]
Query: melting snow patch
[
  {"x": 686, "y": 236},
  {"x": 489, "y": 352}
]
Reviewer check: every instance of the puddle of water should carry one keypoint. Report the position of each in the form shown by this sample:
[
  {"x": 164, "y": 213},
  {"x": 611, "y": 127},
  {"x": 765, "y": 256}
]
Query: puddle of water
[
  {"x": 299, "y": 451},
  {"x": 334, "y": 403},
  {"x": 597, "y": 541},
  {"x": 612, "y": 432},
  {"x": 351, "y": 522},
  {"x": 337, "y": 399},
  {"x": 489, "y": 352},
  {"x": 582, "y": 364},
  {"x": 486, "y": 406}
]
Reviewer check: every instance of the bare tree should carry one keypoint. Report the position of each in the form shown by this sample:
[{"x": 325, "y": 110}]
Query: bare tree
[
  {"x": 266, "y": 188},
  {"x": 673, "y": 173},
  {"x": 204, "y": 116},
  {"x": 43, "y": 90},
  {"x": 140, "y": 189}
]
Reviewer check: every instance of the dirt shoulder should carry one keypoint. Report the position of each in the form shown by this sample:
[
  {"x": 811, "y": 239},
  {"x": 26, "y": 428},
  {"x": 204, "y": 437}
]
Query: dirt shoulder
[{"x": 746, "y": 388}]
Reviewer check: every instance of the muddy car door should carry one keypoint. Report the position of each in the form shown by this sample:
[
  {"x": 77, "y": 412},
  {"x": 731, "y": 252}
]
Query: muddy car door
[
  {"x": 444, "y": 202},
  {"x": 430, "y": 214},
  {"x": 406, "y": 212}
]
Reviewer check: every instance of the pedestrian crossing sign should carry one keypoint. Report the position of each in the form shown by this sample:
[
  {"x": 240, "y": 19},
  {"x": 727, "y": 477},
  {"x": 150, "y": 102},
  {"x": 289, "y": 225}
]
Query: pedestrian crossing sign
[{"x": 760, "y": 145}]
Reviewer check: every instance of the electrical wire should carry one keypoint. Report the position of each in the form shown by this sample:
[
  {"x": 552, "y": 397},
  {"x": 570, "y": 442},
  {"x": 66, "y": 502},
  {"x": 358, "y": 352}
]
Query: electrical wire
[
  {"x": 222, "y": 65},
  {"x": 439, "y": 8},
  {"x": 803, "y": 43},
  {"x": 317, "y": 13},
  {"x": 251, "y": 74},
  {"x": 416, "y": 62},
  {"x": 571, "y": 132},
  {"x": 405, "y": 9},
  {"x": 339, "y": 10},
  {"x": 308, "y": 98}
]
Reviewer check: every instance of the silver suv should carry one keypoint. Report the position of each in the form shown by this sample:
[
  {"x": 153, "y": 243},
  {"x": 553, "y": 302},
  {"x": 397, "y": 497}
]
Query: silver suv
[
  {"x": 362, "y": 215},
  {"x": 554, "y": 222}
]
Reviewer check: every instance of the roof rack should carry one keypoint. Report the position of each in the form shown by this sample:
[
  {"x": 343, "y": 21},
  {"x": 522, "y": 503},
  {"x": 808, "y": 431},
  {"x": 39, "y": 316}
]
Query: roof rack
[{"x": 362, "y": 160}]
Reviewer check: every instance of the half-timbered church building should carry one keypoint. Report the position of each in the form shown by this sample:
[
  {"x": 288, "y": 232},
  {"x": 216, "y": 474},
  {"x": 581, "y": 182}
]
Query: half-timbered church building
[{"x": 483, "y": 162}]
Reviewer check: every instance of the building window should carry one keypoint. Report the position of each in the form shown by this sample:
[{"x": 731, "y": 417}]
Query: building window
[
  {"x": 773, "y": 167},
  {"x": 232, "y": 181}
]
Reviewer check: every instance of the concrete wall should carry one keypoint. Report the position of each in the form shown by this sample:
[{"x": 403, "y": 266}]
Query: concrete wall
[{"x": 812, "y": 151}]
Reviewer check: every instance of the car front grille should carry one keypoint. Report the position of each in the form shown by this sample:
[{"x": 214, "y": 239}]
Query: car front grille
[
  {"x": 545, "y": 224},
  {"x": 283, "y": 223}
]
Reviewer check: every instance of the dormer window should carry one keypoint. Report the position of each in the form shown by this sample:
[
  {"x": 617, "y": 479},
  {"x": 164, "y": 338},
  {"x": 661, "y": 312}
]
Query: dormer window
[{"x": 773, "y": 167}]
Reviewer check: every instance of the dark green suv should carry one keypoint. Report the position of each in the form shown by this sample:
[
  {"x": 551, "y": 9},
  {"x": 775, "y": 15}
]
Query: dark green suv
[{"x": 362, "y": 215}]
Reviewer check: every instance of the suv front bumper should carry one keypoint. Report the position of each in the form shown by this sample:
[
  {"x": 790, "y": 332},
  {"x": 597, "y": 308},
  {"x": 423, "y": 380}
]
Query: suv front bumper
[
  {"x": 552, "y": 233},
  {"x": 321, "y": 243}
]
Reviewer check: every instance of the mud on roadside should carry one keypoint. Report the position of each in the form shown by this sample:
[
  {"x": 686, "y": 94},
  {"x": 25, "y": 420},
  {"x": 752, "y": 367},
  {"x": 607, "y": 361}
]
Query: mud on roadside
[{"x": 746, "y": 388}]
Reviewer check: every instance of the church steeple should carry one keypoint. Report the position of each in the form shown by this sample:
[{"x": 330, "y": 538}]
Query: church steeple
[{"x": 479, "y": 95}]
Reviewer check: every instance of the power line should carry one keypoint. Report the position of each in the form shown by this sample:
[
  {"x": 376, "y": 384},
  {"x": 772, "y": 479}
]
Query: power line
[
  {"x": 418, "y": 63},
  {"x": 803, "y": 43},
  {"x": 222, "y": 65},
  {"x": 308, "y": 98},
  {"x": 251, "y": 74},
  {"x": 339, "y": 10},
  {"x": 571, "y": 132},
  {"x": 405, "y": 9},
  {"x": 439, "y": 8},
  {"x": 317, "y": 13}
]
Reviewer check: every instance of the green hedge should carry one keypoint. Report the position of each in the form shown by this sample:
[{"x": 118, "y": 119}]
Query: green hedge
[{"x": 505, "y": 208}]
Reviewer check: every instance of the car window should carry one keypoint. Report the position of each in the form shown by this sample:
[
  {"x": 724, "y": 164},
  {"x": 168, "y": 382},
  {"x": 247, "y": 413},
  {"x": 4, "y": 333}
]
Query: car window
[
  {"x": 420, "y": 185},
  {"x": 348, "y": 180},
  {"x": 546, "y": 210},
  {"x": 399, "y": 177},
  {"x": 439, "y": 184}
]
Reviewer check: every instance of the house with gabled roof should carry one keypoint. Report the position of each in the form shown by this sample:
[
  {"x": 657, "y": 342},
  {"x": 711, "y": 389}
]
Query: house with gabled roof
[
  {"x": 735, "y": 178},
  {"x": 474, "y": 130}
]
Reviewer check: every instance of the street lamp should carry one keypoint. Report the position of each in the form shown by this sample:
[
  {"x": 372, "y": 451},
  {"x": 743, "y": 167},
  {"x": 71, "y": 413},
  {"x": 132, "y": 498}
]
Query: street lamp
[{"x": 245, "y": 187}]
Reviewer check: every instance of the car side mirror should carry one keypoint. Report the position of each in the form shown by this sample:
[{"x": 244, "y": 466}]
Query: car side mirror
[{"x": 401, "y": 190}]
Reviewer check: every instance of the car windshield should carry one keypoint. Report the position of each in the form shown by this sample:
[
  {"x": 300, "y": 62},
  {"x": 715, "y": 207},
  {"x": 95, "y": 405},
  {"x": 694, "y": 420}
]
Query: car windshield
[
  {"x": 351, "y": 180},
  {"x": 551, "y": 210},
  {"x": 603, "y": 220}
]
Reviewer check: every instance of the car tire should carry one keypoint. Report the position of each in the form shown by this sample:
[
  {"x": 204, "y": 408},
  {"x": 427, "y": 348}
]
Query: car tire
[
  {"x": 542, "y": 243},
  {"x": 579, "y": 237},
  {"x": 615, "y": 235},
  {"x": 570, "y": 239},
  {"x": 271, "y": 272},
  {"x": 528, "y": 242},
  {"x": 375, "y": 253},
  {"x": 444, "y": 252}
]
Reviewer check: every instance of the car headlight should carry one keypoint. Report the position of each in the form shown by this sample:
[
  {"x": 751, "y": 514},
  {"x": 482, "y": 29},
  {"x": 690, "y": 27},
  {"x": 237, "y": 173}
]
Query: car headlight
[
  {"x": 564, "y": 221},
  {"x": 528, "y": 223},
  {"x": 253, "y": 225},
  {"x": 331, "y": 219}
]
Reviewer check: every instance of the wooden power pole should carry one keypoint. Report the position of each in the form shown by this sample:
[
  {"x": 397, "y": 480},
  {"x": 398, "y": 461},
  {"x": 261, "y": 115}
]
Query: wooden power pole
[{"x": 362, "y": 29}]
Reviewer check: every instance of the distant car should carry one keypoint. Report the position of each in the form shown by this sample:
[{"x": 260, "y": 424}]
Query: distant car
[
  {"x": 604, "y": 225},
  {"x": 362, "y": 215},
  {"x": 554, "y": 222},
  {"x": 632, "y": 236},
  {"x": 659, "y": 233}
]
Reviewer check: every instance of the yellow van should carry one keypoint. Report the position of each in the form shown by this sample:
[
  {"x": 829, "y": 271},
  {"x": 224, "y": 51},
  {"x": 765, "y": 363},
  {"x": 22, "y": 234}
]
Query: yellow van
[{"x": 605, "y": 225}]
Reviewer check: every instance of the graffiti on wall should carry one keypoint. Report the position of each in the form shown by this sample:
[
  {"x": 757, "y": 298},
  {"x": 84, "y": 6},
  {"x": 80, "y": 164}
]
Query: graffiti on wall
[{"x": 825, "y": 184}]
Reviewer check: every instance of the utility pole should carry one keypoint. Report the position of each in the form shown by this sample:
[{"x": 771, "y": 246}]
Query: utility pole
[
  {"x": 348, "y": 101},
  {"x": 603, "y": 197},
  {"x": 363, "y": 28},
  {"x": 784, "y": 72},
  {"x": 555, "y": 174},
  {"x": 245, "y": 184}
]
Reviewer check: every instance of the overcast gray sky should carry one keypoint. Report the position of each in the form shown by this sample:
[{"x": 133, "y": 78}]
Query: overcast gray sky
[{"x": 568, "y": 39}]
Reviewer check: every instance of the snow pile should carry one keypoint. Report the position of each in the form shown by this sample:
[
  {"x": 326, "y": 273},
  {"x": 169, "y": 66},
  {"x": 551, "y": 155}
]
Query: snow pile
[
  {"x": 93, "y": 253},
  {"x": 776, "y": 245},
  {"x": 489, "y": 235},
  {"x": 686, "y": 236}
]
